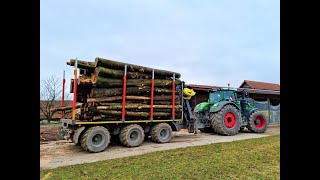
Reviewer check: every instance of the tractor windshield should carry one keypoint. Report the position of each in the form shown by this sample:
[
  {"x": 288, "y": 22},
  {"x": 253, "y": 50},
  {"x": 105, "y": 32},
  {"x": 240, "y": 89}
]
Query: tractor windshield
[{"x": 215, "y": 97}]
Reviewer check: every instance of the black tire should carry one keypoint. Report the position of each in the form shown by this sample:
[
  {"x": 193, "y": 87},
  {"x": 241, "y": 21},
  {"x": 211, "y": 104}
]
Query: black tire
[
  {"x": 226, "y": 121},
  {"x": 207, "y": 130},
  {"x": 131, "y": 135},
  {"x": 161, "y": 133},
  {"x": 95, "y": 139},
  {"x": 257, "y": 122}
]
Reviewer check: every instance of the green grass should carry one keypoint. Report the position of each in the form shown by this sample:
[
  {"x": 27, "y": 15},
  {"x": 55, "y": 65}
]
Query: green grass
[{"x": 246, "y": 159}]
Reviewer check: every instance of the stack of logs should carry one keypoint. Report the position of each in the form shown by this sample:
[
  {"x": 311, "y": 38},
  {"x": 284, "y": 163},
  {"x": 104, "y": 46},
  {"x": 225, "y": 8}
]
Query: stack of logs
[{"x": 100, "y": 90}]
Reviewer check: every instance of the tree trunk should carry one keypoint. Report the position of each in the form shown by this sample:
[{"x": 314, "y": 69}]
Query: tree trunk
[
  {"x": 83, "y": 87},
  {"x": 129, "y": 113},
  {"x": 102, "y": 82},
  {"x": 136, "y": 102},
  {"x": 114, "y": 98},
  {"x": 135, "y": 106},
  {"x": 85, "y": 81},
  {"x": 105, "y": 92},
  {"x": 83, "y": 64},
  {"x": 133, "y": 68},
  {"x": 106, "y": 72}
]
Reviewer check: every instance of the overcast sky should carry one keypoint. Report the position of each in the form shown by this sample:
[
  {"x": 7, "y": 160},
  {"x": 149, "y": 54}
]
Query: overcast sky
[{"x": 210, "y": 42}]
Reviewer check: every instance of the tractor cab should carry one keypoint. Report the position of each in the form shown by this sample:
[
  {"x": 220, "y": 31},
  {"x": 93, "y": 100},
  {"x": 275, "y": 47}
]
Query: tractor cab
[{"x": 217, "y": 95}]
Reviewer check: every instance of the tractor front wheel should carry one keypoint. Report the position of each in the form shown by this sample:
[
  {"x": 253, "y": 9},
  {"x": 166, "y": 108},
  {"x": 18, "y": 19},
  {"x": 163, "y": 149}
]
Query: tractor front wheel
[
  {"x": 257, "y": 122},
  {"x": 226, "y": 121}
]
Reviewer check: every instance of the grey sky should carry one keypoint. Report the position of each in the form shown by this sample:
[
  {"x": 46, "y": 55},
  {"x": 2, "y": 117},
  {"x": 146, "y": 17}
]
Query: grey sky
[{"x": 210, "y": 42}]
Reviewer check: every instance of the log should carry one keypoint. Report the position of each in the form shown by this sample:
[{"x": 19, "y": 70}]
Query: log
[
  {"x": 129, "y": 113},
  {"x": 71, "y": 85},
  {"x": 85, "y": 81},
  {"x": 106, "y": 72},
  {"x": 133, "y": 68},
  {"x": 105, "y": 92},
  {"x": 136, "y": 106},
  {"x": 136, "y": 102},
  {"x": 102, "y": 82},
  {"x": 83, "y": 64},
  {"x": 114, "y": 98},
  {"x": 81, "y": 88}
]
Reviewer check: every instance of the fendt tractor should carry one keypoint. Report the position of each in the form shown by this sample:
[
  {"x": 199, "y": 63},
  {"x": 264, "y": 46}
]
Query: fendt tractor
[
  {"x": 225, "y": 114},
  {"x": 106, "y": 114}
]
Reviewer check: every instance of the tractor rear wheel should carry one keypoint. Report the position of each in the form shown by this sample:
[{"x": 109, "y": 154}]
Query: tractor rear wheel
[
  {"x": 226, "y": 121},
  {"x": 131, "y": 135},
  {"x": 95, "y": 139},
  {"x": 161, "y": 133},
  {"x": 257, "y": 122}
]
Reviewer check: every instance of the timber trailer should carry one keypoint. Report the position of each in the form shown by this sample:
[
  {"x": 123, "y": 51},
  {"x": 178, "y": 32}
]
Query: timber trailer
[{"x": 220, "y": 115}]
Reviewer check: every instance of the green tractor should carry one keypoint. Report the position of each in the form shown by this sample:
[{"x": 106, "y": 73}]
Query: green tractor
[{"x": 225, "y": 114}]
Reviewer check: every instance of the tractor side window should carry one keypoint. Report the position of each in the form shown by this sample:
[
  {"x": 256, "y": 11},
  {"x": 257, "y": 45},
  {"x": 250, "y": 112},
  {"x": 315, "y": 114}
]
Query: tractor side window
[
  {"x": 228, "y": 94},
  {"x": 215, "y": 97}
]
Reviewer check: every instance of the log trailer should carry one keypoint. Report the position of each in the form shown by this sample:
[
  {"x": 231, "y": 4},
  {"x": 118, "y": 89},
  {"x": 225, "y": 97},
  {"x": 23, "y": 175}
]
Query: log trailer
[{"x": 224, "y": 114}]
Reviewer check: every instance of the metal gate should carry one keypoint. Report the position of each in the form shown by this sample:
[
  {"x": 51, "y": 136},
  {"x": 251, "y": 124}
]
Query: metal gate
[{"x": 270, "y": 111}]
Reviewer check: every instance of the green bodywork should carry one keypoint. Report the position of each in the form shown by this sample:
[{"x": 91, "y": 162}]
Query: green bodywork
[
  {"x": 202, "y": 106},
  {"x": 218, "y": 98}
]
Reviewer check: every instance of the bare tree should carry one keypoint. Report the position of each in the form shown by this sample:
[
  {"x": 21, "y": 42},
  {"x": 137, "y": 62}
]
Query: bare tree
[{"x": 50, "y": 91}]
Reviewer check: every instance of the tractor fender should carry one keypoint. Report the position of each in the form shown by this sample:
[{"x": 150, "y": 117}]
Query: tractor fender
[
  {"x": 77, "y": 133},
  {"x": 221, "y": 105},
  {"x": 252, "y": 110}
]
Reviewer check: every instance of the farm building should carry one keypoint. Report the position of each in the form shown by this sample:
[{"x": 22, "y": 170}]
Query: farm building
[{"x": 265, "y": 96}]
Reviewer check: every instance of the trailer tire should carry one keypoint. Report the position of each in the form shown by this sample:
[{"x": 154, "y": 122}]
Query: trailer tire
[
  {"x": 226, "y": 121},
  {"x": 161, "y": 133},
  {"x": 257, "y": 122},
  {"x": 131, "y": 135},
  {"x": 95, "y": 139}
]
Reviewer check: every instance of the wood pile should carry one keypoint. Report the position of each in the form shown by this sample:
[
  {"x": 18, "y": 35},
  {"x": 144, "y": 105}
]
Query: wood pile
[{"x": 100, "y": 90}]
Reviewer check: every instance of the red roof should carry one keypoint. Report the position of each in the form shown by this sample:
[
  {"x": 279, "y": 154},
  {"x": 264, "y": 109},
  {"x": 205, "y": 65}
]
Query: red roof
[{"x": 261, "y": 85}]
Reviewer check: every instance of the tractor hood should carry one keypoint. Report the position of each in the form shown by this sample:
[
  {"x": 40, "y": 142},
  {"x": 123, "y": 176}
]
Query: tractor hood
[{"x": 202, "y": 106}]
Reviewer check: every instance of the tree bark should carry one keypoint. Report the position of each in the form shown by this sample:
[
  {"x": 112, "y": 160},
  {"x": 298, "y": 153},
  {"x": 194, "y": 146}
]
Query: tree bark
[
  {"x": 105, "y": 92},
  {"x": 81, "y": 88},
  {"x": 83, "y": 64},
  {"x": 114, "y": 98},
  {"x": 129, "y": 113},
  {"x": 106, "y": 72},
  {"x": 136, "y": 102},
  {"x": 135, "y": 106},
  {"x": 102, "y": 82},
  {"x": 133, "y": 68}
]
